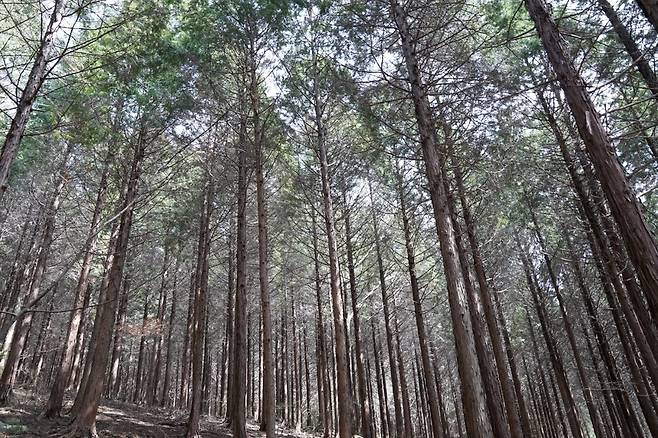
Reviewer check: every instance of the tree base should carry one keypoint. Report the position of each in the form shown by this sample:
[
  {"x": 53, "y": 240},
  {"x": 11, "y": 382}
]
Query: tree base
[{"x": 77, "y": 431}]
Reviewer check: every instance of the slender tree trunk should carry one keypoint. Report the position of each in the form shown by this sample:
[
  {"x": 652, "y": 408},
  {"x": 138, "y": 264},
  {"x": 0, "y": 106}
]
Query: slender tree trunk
[
  {"x": 637, "y": 57},
  {"x": 477, "y": 422},
  {"x": 35, "y": 80},
  {"x": 582, "y": 375},
  {"x": 154, "y": 374},
  {"x": 512, "y": 364},
  {"x": 342, "y": 376},
  {"x": 239, "y": 359},
  {"x": 554, "y": 354},
  {"x": 625, "y": 207},
  {"x": 268, "y": 418},
  {"x": 85, "y": 420},
  {"x": 519, "y": 426},
  {"x": 112, "y": 387},
  {"x": 397, "y": 401},
  {"x": 433, "y": 397},
  {"x": 364, "y": 406},
  {"x": 324, "y": 393},
  {"x": 199, "y": 318},
  {"x": 24, "y": 319}
]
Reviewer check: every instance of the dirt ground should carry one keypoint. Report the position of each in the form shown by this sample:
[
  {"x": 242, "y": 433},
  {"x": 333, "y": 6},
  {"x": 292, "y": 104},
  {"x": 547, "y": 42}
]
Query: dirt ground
[{"x": 117, "y": 420}]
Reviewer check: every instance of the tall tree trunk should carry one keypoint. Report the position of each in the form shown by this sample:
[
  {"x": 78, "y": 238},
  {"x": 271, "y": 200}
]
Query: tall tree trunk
[
  {"x": 625, "y": 207},
  {"x": 28, "y": 96},
  {"x": 322, "y": 369},
  {"x": 141, "y": 355},
  {"x": 170, "y": 328},
  {"x": 154, "y": 374},
  {"x": 268, "y": 418},
  {"x": 34, "y": 294},
  {"x": 637, "y": 57},
  {"x": 112, "y": 387},
  {"x": 199, "y": 319},
  {"x": 554, "y": 353},
  {"x": 342, "y": 376},
  {"x": 239, "y": 359},
  {"x": 433, "y": 397},
  {"x": 582, "y": 374},
  {"x": 230, "y": 306},
  {"x": 364, "y": 405},
  {"x": 85, "y": 420},
  {"x": 519, "y": 426},
  {"x": 477, "y": 422},
  {"x": 395, "y": 383},
  {"x": 65, "y": 368}
]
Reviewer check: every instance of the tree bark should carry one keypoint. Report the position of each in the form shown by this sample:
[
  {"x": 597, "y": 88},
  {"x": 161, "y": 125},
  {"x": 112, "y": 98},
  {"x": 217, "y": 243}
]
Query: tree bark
[
  {"x": 85, "y": 419},
  {"x": 342, "y": 377},
  {"x": 34, "y": 294},
  {"x": 239, "y": 359},
  {"x": 364, "y": 405},
  {"x": 625, "y": 207},
  {"x": 433, "y": 397},
  {"x": 28, "y": 96},
  {"x": 200, "y": 309},
  {"x": 477, "y": 422}
]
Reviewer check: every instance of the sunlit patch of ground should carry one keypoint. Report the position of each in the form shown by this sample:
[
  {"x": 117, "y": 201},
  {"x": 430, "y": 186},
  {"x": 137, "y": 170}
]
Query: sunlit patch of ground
[{"x": 116, "y": 420}]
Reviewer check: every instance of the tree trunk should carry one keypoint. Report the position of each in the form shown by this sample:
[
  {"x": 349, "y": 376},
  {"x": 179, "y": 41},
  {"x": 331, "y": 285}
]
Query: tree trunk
[
  {"x": 625, "y": 207},
  {"x": 28, "y": 96},
  {"x": 343, "y": 387},
  {"x": 268, "y": 418},
  {"x": 477, "y": 422},
  {"x": 519, "y": 426},
  {"x": 554, "y": 354},
  {"x": 85, "y": 420},
  {"x": 433, "y": 397},
  {"x": 637, "y": 57},
  {"x": 24, "y": 318},
  {"x": 239, "y": 359},
  {"x": 364, "y": 406},
  {"x": 322, "y": 369},
  {"x": 199, "y": 318},
  {"x": 166, "y": 384},
  {"x": 114, "y": 379}
]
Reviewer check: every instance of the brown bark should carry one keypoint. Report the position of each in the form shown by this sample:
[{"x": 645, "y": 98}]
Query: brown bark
[
  {"x": 166, "y": 384},
  {"x": 477, "y": 422},
  {"x": 34, "y": 294},
  {"x": 342, "y": 376},
  {"x": 239, "y": 359},
  {"x": 364, "y": 405},
  {"x": 85, "y": 420},
  {"x": 637, "y": 57},
  {"x": 518, "y": 424},
  {"x": 625, "y": 207},
  {"x": 395, "y": 383},
  {"x": 268, "y": 418},
  {"x": 322, "y": 369},
  {"x": 141, "y": 355},
  {"x": 35, "y": 80},
  {"x": 554, "y": 353},
  {"x": 512, "y": 364},
  {"x": 112, "y": 387},
  {"x": 582, "y": 374},
  {"x": 154, "y": 374},
  {"x": 433, "y": 397},
  {"x": 199, "y": 318}
]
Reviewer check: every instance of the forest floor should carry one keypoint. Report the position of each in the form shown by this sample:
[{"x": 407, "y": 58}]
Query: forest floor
[{"x": 115, "y": 419}]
